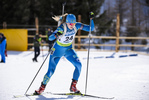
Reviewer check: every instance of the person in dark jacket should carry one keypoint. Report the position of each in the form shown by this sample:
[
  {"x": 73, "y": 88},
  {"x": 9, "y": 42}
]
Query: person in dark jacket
[
  {"x": 2, "y": 47},
  {"x": 37, "y": 43}
]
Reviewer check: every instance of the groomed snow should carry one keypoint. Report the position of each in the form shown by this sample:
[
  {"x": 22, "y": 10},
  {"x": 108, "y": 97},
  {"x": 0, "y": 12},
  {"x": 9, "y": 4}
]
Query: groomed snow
[{"x": 124, "y": 78}]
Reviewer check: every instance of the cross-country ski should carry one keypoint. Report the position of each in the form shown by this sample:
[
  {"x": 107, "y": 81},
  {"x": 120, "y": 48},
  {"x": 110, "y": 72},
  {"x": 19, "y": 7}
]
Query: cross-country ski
[
  {"x": 83, "y": 95},
  {"x": 64, "y": 94}
]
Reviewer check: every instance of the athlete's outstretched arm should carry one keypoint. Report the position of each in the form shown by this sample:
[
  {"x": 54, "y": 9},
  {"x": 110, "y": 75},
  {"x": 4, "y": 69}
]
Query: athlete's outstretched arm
[{"x": 85, "y": 27}]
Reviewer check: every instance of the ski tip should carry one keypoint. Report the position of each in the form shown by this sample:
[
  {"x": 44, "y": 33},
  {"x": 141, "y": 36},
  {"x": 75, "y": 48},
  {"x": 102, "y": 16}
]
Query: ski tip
[{"x": 18, "y": 96}]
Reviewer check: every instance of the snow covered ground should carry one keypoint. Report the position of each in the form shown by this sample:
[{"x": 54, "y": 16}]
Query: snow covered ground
[{"x": 124, "y": 78}]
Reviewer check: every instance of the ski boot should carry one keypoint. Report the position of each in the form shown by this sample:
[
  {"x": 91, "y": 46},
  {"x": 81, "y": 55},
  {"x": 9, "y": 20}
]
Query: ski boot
[
  {"x": 73, "y": 87},
  {"x": 40, "y": 90}
]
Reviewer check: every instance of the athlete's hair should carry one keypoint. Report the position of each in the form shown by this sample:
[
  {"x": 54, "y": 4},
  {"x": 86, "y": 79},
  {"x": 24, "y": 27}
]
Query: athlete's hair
[{"x": 61, "y": 18}]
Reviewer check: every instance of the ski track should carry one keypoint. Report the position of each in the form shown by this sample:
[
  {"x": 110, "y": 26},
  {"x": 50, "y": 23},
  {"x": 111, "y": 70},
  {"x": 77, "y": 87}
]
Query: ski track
[{"x": 124, "y": 78}]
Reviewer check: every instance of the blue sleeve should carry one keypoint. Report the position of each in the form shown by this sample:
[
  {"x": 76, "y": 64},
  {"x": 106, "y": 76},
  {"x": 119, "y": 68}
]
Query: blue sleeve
[
  {"x": 85, "y": 27},
  {"x": 3, "y": 45},
  {"x": 60, "y": 28},
  {"x": 53, "y": 35}
]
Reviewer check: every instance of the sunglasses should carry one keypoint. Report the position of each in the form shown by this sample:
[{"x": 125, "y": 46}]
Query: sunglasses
[{"x": 72, "y": 24}]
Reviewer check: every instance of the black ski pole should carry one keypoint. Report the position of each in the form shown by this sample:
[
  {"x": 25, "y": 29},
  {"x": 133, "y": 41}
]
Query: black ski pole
[
  {"x": 41, "y": 66},
  {"x": 42, "y": 52},
  {"x": 88, "y": 58},
  {"x": 47, "y": 55},
  {"x": 37, "y": 73}
]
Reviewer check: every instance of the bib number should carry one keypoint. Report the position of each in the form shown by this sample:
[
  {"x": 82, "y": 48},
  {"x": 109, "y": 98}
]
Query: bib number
[
  {"x": 66, "y": 39},
  {"x": 69, "y": 38}
]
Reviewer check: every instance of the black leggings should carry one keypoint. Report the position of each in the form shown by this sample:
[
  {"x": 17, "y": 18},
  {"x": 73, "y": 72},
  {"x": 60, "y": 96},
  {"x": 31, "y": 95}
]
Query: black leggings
[{"x": 37, "y": 52}]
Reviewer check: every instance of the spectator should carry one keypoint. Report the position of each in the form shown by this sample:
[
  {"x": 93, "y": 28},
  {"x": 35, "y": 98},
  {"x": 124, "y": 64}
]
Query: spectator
[
  {"x": 37, "y": 43},
  {"x": 2, "y": 47},
  {"x": 48, "y": 33}
]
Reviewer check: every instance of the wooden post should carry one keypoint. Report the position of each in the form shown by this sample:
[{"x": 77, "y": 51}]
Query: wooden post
[
  {"x": 79, "y": 33},
  {"x": 37, "y": 25},
  {"x": 4, "y": 25},
  {"x": 117, "y": 32}
]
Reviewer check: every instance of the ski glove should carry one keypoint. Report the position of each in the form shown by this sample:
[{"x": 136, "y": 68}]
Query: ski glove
[
  {"x": 54, "y": 36},
  {"x": 59, "y": 33},
  {"x": 91, "y": 15}
]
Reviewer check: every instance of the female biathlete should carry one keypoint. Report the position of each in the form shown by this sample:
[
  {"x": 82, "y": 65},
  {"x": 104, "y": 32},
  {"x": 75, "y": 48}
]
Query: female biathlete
[{"x": 63, "y": 47}]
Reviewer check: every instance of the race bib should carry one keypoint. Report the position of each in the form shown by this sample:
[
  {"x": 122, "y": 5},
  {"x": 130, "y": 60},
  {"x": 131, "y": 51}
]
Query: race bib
[{"x": 68, "y": 38}]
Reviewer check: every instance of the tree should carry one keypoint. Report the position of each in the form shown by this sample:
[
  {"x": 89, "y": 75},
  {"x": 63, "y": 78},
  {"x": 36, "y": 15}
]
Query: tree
[
  {"x": 121, "y": 7},
  {"x": 133, "y": 28},
  {"x": 23, "y": 12}
]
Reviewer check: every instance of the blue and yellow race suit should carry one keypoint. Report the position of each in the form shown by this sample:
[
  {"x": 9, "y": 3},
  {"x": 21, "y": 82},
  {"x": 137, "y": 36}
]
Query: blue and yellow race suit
[{"x": 63, "y": 47}]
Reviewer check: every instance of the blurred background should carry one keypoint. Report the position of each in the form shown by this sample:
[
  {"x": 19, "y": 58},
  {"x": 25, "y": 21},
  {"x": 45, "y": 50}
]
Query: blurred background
[{"x": 133, "y": 16}]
